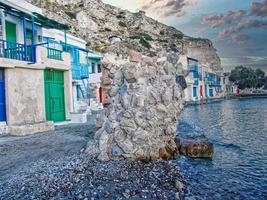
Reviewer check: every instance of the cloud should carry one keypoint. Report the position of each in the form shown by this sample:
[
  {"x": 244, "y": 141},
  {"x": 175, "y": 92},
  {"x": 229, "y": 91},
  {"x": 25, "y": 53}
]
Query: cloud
[
  {"x": 259, "y": 9},
  {"x": 251, "y": 23},
  {"x": 254, "y": 49},
  {"x": 216, "y": 20},
  {"x": 240, "y": 39},
  {"x": 233, "y": 23},
  {"x": 166, "y": 8}
]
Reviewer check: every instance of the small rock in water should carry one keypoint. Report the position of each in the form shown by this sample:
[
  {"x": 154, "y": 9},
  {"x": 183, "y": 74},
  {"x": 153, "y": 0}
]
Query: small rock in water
[{"x": 198, "y": 147}]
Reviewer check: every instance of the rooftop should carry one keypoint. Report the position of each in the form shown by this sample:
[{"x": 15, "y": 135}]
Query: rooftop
[{"x": 22, "y": 8}]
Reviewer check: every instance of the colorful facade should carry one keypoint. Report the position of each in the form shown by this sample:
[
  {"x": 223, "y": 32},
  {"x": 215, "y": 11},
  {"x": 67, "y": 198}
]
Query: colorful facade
[
  {"x": 202, "y": 82},
  {"x": 95, "y": 74},
  {"x": 86, "y": 70},
  {"x": 35, "y": 76}
]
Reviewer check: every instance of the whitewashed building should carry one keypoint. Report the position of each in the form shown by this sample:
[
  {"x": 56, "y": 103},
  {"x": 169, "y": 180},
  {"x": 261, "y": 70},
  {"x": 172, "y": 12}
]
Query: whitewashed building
[
  {"x": 86, "y": 73},
  {"x": 202, "y": 82},
  {"x": 35, "y": 77}
]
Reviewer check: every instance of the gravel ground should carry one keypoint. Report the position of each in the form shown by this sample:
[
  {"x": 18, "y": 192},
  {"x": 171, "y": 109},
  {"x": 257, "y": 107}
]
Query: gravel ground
[
  {"x": 67, "y": 140},
  {"x": 51, "y": 166},
  {"x": 77, "y": 177}
]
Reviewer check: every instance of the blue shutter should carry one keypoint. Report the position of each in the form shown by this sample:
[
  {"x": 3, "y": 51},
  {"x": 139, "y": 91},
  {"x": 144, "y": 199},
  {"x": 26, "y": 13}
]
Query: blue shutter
[{"x": 2, "y": 96}]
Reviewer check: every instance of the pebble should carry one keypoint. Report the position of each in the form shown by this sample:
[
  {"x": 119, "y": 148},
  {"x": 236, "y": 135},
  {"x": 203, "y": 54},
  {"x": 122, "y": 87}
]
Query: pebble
[{"x": 78, "y": 177}]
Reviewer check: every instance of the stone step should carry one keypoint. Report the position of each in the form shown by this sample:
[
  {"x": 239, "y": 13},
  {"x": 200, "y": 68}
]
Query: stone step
[{"x": 3, "y": 128}]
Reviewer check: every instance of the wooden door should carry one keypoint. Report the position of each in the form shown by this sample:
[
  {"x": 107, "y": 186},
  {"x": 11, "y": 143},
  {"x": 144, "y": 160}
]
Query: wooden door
[{"x": 54, "y": 95}]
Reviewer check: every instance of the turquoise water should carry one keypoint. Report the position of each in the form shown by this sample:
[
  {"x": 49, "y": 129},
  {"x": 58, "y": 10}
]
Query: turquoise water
[{"x": 238, "y": 170}]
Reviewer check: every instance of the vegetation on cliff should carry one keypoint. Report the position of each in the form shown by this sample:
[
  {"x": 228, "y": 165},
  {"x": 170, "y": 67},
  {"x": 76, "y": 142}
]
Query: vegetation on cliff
[{"x": 110, "y": 29}]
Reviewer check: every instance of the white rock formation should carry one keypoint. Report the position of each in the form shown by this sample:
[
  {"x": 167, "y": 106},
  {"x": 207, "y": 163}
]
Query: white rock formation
[{"x": 142, "y": 104}]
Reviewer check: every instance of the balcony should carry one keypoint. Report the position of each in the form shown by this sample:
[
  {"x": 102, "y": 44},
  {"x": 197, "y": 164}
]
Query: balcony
[
  {"x": 193, "y": 67},
  {"x": 21, "y": 52},
  {"x": 80, "y": 71},
  {"x": 17, "y": 51}
]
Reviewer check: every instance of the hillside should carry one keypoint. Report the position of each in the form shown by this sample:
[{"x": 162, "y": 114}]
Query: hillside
[{"x": 110, "y": 29}]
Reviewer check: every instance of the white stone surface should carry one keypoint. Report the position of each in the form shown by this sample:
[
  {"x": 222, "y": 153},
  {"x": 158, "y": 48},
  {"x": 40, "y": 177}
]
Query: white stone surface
[
  {"x": 3, "y": 128},
  {"x": 141, "y": 108}
]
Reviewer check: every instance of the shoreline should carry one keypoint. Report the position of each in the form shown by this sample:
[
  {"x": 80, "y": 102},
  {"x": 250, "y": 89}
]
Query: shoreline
[{"x": 213, "y": 100}]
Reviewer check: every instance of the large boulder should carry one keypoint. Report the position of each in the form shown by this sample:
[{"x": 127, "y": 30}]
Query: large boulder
[{"x": 142, "y": 106}]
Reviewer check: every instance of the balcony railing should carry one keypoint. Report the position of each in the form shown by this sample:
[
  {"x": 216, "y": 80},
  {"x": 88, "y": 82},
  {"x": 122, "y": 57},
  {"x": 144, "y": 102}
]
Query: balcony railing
[
  {"x": 80, "y": 71},
  {"x": 17, "y": 51},
  {"x": 193, "y": 67},
  {"x": 54, "y": 53}
]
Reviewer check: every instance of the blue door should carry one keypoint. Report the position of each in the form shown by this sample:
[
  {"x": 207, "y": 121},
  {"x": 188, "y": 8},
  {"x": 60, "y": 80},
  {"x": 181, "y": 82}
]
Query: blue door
[
  {"x": 194, "y": 92},
  {"x": 2, "y": 96}
]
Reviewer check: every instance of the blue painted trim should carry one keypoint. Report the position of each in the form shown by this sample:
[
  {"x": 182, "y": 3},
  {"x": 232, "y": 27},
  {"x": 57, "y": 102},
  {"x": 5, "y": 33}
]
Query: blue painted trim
[
  {"x": 24, "y": 35},
  {"x": 2, "y": 96},
  {"x": 33, "y": 42}
]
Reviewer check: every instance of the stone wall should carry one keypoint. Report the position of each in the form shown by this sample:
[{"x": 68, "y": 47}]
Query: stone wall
[
  {"x": 25, "y": 99},
  {"x": 142, "y": 103}
]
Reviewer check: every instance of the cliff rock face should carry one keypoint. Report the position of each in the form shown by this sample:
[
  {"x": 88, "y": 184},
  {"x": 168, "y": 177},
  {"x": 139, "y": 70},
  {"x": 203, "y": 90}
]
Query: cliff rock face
[
  {"x": 110, "y": 29},
  {"x": 143, "y": 96}
]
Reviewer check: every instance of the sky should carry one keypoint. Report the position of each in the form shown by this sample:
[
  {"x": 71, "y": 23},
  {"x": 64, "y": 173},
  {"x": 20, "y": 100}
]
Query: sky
[{"x": 238, "y": 28}]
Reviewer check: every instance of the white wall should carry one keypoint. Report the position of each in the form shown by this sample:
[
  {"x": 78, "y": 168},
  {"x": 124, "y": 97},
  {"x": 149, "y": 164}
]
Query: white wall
[
  {"x": 60, "y": 36},
  {"x": 94, "y": 77}
]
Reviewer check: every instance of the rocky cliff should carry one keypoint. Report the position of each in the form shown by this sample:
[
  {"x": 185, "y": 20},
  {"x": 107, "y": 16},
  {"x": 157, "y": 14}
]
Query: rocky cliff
[
  {"x": 110, "y": 29},
  {"x": 142, "y": 76}
]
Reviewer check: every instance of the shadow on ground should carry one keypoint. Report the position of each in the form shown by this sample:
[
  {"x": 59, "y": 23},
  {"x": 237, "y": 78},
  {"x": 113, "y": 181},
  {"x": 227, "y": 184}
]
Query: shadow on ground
[{"x": 66, "y": 140}]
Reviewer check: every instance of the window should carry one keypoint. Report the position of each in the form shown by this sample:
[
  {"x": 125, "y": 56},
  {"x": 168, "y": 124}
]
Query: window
[
  {"x": 93, "y": 68},
  {"x": 28, "y": 36},
  {"x": 99, "y": 68},
  {"x": 194, "y": 91},
  {"x": 39, "y": 38}
]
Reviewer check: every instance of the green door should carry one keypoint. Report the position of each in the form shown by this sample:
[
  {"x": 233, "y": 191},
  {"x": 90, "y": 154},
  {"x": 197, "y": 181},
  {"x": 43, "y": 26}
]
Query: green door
[
  {"x": 54, "y": 95},
  {"x": 11, "y": 32}
]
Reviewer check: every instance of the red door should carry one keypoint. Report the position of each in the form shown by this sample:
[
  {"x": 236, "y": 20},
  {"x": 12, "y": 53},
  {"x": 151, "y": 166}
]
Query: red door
[
  {"x": 201, "y": 90},
  {"x": 100, "y": 95}
]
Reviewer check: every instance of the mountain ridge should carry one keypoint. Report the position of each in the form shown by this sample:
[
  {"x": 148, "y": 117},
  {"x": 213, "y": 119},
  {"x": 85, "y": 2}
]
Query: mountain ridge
[{"x": 107, "y": 28}]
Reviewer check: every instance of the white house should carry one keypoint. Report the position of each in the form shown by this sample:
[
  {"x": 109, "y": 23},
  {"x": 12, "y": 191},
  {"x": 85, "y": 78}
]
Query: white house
[
  {"x": 35, "y": 79},
  {"x": 202, "y": 82},
  {"x": 86, "y": 73}
]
